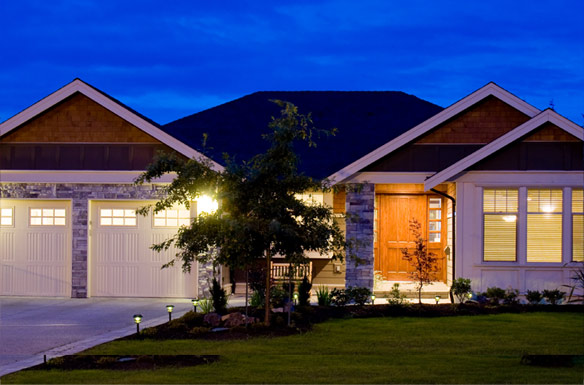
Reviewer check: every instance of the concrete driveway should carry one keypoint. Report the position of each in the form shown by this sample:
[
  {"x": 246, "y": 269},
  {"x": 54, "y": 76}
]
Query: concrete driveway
[{"x": 32, "y": 327}]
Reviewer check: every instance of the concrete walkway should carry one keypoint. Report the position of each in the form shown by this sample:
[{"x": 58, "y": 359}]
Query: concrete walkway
[{"x": 33, "y": 327}]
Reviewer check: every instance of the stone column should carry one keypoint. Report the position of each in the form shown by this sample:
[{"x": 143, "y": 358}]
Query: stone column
[
  {"x": 79, "y": 215},
  {"x": 360, "y": 201},
  {"x": 205, "y": 279}
]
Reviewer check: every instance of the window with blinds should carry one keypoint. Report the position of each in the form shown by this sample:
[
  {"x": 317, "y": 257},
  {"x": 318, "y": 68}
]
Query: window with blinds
[
  {"x": 544, "y": 225},
  {"x": 500, "y": 208},
  {"x": 577, "y": 225}
]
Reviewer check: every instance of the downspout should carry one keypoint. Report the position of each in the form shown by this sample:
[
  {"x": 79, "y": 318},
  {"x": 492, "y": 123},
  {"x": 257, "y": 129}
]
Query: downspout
[{"x": 453, "y": 236}]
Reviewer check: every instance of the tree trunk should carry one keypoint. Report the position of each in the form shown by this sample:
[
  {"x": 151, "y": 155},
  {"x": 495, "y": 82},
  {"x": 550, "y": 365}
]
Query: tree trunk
[
  {"x": 420, "y": 295},
  {"x": 268, "y": 286},
  {"x": 246, "y": 293}
]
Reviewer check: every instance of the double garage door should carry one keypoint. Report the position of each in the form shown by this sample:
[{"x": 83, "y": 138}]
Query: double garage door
[{"x": 36, "y": 247}]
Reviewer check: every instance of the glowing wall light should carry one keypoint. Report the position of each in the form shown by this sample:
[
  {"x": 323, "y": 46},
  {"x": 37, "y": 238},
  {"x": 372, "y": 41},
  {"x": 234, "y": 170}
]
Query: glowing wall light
[{"x": 206, "y": 204}]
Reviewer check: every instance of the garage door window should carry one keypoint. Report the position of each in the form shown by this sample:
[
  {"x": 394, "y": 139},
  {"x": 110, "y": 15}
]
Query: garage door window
[
  {"x": 172, "y": 218},
  {"x": 47, "y": 217},
  {"x": 117, "y": 217},
  {"x": 7, "y": 217}
]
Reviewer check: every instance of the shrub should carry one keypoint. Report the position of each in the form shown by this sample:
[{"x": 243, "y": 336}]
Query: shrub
[
  {"x": 304, "y": 292},
  {"x": 395, "y": 296},
  {"x": 460, "y": 288},
  {"x": 278, "y": 296},
  {"x": 339, "y": 297},
  {"x": 511, "y": 297},
  {"x": 533, "y": 297},
  {"x": 219, "y": 297},
  {"x": 206, "y": 305},
  {"x": 553, "y": 296},
  {"x": 495, "y": 295},
  {"x": 359, "y": 295},
  {"x": 257, "y": 299},
  {"x": 323, "y": 296}
]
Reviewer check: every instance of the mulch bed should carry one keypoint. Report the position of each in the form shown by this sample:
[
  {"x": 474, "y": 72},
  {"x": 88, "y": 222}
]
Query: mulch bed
[{"x": 128, "y": 362}]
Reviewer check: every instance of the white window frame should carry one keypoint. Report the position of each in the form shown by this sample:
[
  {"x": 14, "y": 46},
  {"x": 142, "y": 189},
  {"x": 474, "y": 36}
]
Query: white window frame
[
  {"x": 161, "y": 219},
  {"x": 47, "y": 216},
  {"x": 506, "y": 212},
  {"x": 120, "y": 217},
  {"x": 3, "y": 216}
]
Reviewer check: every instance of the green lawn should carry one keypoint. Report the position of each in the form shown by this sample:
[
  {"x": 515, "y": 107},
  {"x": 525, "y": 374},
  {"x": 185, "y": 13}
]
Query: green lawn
[{"x": 478, "y": 349}]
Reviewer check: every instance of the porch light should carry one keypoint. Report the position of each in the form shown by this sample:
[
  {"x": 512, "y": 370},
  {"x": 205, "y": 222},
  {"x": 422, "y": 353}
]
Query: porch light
[
  {"x": 373, "y": 299},
  {"x": 295, "y": 296},
  {"x": 137, "y": 320},
  {"x": 169, "y": 309},
  {"x": 437, "y": 298},
  {"x": 206, "y": 204},
  {"x": 195, "y": 302},
  {"x": 469, "y": 295}
]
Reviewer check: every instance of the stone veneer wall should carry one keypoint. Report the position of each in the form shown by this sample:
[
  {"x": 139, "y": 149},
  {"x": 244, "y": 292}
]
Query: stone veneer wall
[
  {"x": 80, "y": 195},
  {"x": 360, "y": 201}
]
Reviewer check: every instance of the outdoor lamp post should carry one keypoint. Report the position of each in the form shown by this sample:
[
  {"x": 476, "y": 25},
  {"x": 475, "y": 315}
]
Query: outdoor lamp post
[
  {"x": 373, "y": 299},
  {"x": 195, "y": 302},
  {"x": 137, "y": 320},
  {"x": 295, "y": 295},
  {"x": 437, "y": 298},
  {"x": 169, "y": 309}
]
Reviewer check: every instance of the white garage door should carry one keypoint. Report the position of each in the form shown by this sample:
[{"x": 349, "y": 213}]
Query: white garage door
[
  {"x": 35, "y": 248},
  {"x": 121, "y": 261}
]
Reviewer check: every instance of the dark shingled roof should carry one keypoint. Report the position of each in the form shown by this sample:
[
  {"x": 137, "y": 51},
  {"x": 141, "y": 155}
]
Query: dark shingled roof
[{"x": 365, "y": 120}]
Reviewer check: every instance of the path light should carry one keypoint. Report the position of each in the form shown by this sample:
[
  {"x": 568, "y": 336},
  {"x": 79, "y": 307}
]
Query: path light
[
  {"x": 295, "y": 295},
  {"x": 169, "y": 309},
  {"x": 195, "y": 302},
  {"x": 137, "y": 320},
  {"x": 373, "y": 299},
  {"x": 437, "y": 298}
]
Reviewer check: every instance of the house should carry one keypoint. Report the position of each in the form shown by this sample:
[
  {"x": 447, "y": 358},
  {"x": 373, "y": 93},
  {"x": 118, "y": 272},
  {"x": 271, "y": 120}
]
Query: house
[{"x": 495, "y": 183}]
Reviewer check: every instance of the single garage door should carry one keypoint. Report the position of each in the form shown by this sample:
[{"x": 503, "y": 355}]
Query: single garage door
[
  {"x": 121, "y": 261},
  {"x": 35, "y": 248}
]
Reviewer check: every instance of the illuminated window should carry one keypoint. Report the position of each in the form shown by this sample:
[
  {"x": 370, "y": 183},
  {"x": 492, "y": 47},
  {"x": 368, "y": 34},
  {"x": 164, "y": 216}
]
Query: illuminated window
[
  {"x": 544, "y": 225},
  {"x": 500, "y": 209},
  {"x": 577, "y": 225},
  {"x": 172, "y": 218},
  {"x": 435, "y": 220},
  {"x": 7, "y": 217},
  {"x": 47, "y": 217},
  {"x": 117, "y": 217}
]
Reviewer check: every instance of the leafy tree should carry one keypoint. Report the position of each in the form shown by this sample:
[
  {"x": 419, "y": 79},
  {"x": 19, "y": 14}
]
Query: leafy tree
[
  {"x": 423, "y": 261},
  {"x": 259, "y": 215}
]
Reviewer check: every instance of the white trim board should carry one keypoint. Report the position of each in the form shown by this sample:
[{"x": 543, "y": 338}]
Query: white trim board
[
  {"x": 41, "y": 176},
  {"x": 545, "y": 116},
  {"x": 78, "y": 85},
  {"x": 458, "y": 107}
]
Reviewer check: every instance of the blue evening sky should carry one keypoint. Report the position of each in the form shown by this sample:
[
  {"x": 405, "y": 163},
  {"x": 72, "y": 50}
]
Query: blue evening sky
[{"x": 169, "y": 59}]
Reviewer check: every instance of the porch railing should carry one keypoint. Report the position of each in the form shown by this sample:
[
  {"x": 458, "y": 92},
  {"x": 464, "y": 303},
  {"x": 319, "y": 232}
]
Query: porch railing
[{"x": 280, "y": 271}]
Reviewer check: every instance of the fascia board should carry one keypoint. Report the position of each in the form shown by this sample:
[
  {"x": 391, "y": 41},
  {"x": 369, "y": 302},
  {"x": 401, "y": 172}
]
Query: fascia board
[
  {"x": 502, "y": 141},
  {"x": 427, "y": 125}
]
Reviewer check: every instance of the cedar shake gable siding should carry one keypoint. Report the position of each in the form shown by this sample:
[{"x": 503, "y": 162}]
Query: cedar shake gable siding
[
  {"x": 78, "y": 134},
  {"x": 454, "y": 139}
]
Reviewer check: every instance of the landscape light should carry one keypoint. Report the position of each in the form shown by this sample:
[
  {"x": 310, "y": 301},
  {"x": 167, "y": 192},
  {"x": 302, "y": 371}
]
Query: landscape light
[
  {"x": 195, "y": 302},
  {"x": 137, "y": 320},
  {"x": 437, "y": 298},
  {"x": 169, "y": 309},
  {"x": 295, "y": 295},
  {"x": 373, "y": 299}
]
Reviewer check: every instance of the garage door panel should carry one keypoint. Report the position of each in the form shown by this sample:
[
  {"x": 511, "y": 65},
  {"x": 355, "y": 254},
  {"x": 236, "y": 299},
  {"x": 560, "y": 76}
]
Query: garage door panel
[
  {"x": 7, "y": 247},
  {"x": 122, "y": 263},
  {"x": 46, "y": 247},
  {"x": 36, "y": 260},
  {"x": 117, "y": 247}
]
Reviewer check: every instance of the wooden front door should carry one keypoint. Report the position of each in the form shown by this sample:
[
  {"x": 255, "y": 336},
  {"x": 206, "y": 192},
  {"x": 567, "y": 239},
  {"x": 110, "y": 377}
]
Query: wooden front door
[{"x": 393, "y": 232}]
